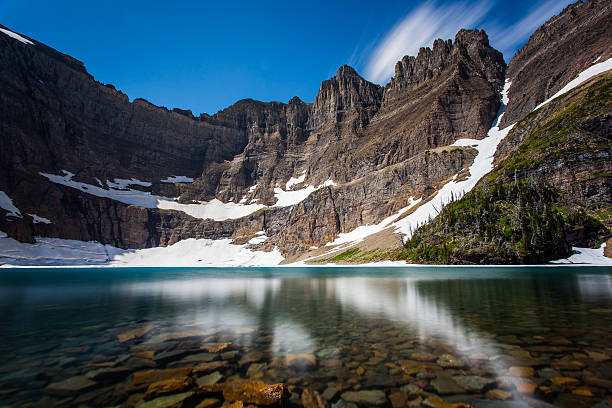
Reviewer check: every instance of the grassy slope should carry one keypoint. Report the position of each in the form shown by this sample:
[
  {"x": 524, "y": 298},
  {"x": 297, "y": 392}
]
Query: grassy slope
[{"x": 525, "y": 210}]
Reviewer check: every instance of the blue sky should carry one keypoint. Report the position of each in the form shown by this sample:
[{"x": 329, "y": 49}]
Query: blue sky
[{"x": 205, "y": 56}]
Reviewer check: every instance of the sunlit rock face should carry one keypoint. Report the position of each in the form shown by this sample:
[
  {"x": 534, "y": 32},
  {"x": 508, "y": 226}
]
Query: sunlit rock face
[
  {"x": 372, "y": 143},
  {"x": 556, "y": 53}
]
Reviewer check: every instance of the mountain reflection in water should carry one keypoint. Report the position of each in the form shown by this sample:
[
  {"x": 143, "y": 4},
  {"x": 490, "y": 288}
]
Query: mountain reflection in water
[{"x": 389, "y": 330}]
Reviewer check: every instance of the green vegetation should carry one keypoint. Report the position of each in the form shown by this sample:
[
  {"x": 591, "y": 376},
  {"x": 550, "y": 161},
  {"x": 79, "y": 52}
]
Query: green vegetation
[
  {"x": 519, "y": 213},
  {"x": 520, "y": 222},
  {"x": 359, "y": 256},
  {"x": 346, "y": 255},
  {"x": 560, "y": 136}
]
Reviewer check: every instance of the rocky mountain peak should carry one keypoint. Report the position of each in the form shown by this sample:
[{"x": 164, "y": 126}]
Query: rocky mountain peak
[
  {"x": 472, "y": 46},
  {"x": 346, "y": 72},
  {"x": 295, "y": 101},
  {"x": 470, "y": 37},
  {"x": 346, "y": 92}
]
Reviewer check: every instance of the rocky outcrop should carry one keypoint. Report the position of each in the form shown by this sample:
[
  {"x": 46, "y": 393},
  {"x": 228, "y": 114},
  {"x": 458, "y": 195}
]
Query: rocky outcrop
[
  {"x": 346, "y": 97},
  {"x": 556, "y": 53},
  {"x": 333, "y": 210}
]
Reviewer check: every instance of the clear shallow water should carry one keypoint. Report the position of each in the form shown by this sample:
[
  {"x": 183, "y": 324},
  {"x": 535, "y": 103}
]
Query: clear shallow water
[{"x": 421, "y": 336}]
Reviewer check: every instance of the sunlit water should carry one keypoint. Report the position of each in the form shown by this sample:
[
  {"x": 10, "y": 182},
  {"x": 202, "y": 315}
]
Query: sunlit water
[{"x": 403, "y": 332}]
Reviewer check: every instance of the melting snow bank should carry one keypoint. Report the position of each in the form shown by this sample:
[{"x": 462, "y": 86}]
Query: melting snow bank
[
  {"x": 586, "y": 256},
  {"x": 55, "y": 252},
  {"x": 361, "y": 232},
  {"x": 295, "y": 181},
  {"x": 7, "y": 204},
  {"x": 582, "y": 77},
  {"x": 199, "y": 252},
  {"x": 189, "y": 252},
  {"x": 38, "y": 219},
  {"x": 293, "y": 197},
  {"x": 119, "y": 191},
  {"x": 483, "y": 164},
  {"x": 177, "y": 179},
  {"x": 215, "y": 209}
]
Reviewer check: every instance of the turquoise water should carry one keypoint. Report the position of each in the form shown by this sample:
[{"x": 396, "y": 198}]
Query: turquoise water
[{"x": 410, "y": 334}]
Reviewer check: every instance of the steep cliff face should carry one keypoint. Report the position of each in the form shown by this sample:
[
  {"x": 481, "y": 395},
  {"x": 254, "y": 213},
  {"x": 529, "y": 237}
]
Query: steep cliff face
[
  {"x": 345, "y": 98},
  {"x": 444, "y": 94},
  {"x": 376, "y": 145},
  {"x": 554, "y": 55}
]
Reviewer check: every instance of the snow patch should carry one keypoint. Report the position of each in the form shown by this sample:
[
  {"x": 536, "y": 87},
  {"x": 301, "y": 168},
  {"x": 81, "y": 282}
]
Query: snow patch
[
  {"x": 39, "y": 219},
  {"x": 177, "y": 179},
  {"x": 55, "y": 251},
  {"x": 243, "y": 200},
  {"x": 214, "y": 209},
  {"x": 7, "y": 204},
  {"x": 597, "y": 59},
  {"x": 453, "y": 190},
  {"x": 295, "y": 181},
  {"x": 293, "y": 197},
  {"x": 259, "y": 238},
  {"x": 124, "y": 183},
  {"x": 587, "y": 256},
  {"x": 363, "y": 231},
  {"x": 16, "y": 36},
  {"x": 199, "y": 252},
  {"x": 582, "y": 77},
  {"x": 186, "y": 253}
]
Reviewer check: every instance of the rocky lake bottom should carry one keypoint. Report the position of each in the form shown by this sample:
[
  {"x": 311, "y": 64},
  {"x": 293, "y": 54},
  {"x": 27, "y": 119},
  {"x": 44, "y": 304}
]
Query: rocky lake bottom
[{"x": 312, "y": 337}]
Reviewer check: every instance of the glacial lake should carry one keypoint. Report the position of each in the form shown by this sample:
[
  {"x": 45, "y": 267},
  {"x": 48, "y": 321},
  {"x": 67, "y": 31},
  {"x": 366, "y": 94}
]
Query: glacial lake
[{"x": 337, "y": 337}]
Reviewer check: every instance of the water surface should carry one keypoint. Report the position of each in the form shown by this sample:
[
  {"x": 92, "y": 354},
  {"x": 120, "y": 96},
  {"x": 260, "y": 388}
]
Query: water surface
[{"x": 420, "y": 336}]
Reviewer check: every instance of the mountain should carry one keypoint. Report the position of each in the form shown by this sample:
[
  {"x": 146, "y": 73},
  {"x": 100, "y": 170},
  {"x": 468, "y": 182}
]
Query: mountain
[
  {"x": 551, "y": 187},
  {"x": 341, "y": 179},
  {"x": 549, "y": 194}
]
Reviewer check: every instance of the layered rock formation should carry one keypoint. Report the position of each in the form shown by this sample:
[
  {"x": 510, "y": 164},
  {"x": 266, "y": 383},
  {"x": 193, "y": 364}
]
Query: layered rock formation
[
  {"x": 357, "y": 154},
  {"x": 556, "y": 53},
  {"x": 551, "y": 187},
  {"x": 376, "y": 144},
  {"x": 547, "y": 195}
]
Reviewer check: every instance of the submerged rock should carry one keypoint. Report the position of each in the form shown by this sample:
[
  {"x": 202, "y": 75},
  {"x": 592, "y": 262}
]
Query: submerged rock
[
  {"x": 70, "y": 386},
  {"x": 168, "y": 386},
  {"x": 170, "y": 401},
  {"x": 473, "y": 383},
  {"x": 498, "y": 404},
  {"x": 301, "y": 361},
  {"x": 450, "y": 361},
  {"x": 142, "y": 379},
  {"x": 209, "y": 379},
  {"x": 367, "y": 397},
  {"x": 444, "y": 385},
  {"x": 205, "y": 368},
  {"x": 255, "y": 392},
  {"x": 312, "y": 399},
  {"x": 134, "y": 334}
]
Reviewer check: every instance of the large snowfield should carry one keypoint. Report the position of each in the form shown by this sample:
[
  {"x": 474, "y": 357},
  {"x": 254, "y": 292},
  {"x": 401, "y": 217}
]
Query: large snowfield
[{"x": 206, "y": 252}]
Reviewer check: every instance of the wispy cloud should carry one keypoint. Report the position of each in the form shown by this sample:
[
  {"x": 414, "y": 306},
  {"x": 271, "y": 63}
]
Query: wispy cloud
[
  {"x": 420, "y": 28},
  {"x": 508, "y": 39}
]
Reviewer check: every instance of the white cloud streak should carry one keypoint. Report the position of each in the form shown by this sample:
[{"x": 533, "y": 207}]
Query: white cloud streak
[
  {"x": 509, "y": 38},
  {"x": 420, "y": 28}
]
